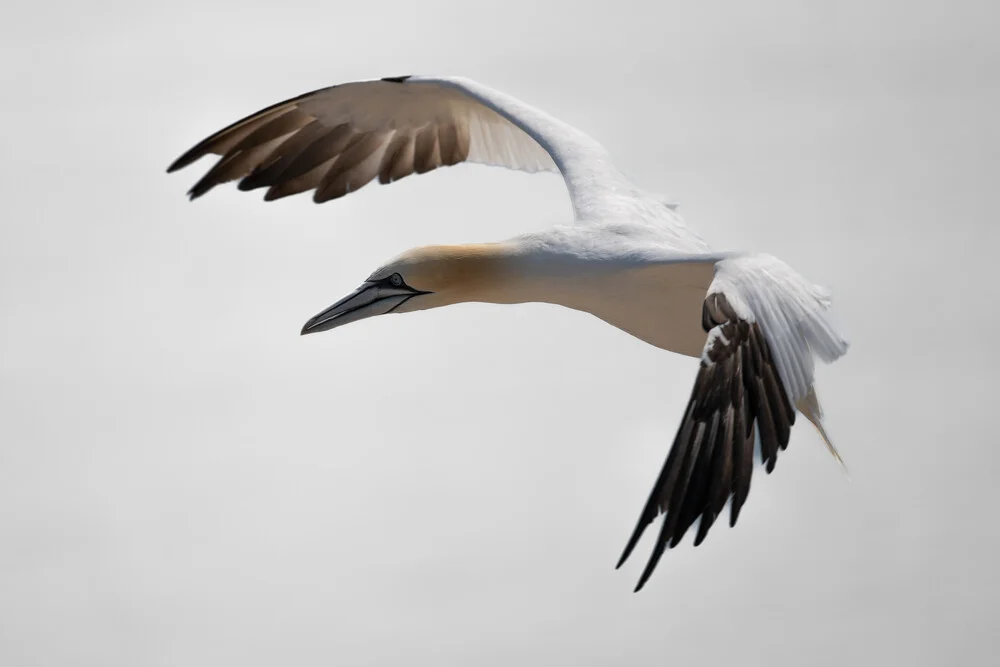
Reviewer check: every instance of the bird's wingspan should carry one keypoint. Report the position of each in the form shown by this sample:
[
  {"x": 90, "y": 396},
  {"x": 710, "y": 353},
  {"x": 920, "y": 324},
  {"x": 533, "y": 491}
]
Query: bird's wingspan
[
  {"x": 336, "y": 140},
  {"x": 764, "y": 324}
]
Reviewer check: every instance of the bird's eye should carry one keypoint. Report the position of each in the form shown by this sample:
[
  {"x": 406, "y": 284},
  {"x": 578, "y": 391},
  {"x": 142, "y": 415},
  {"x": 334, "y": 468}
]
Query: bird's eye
[{"x": 396, "y": 280}]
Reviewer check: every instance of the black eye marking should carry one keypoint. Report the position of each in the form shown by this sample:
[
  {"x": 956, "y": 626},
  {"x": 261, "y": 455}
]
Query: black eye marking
[{"x": 396, "y": 281}]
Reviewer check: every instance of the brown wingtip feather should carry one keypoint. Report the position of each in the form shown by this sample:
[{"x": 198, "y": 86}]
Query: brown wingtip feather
[
  {"x": 229, "y": 135},
  {"x": 737, "y": 397},
  {"x": 280, "y": 146}
]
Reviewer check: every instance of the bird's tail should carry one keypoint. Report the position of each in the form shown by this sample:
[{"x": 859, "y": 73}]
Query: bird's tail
[
  {"x": 810, "y": 407},
  {"x": 796, "y": 319}
]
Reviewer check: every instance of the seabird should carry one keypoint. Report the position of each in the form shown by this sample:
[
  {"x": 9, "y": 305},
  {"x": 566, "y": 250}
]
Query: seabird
[{"x": 627, "y": 257}]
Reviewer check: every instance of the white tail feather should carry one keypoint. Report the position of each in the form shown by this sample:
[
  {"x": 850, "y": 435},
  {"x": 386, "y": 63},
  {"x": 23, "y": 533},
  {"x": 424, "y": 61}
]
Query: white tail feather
[{"x": 810, "y": 407}]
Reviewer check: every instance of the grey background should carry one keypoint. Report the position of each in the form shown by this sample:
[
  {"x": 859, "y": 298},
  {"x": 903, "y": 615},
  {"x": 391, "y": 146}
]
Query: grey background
[{"x": 186, "y": 481}]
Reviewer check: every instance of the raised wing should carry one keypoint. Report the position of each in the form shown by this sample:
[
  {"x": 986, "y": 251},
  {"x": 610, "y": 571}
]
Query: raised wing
[
  {"x": 764, "y": 325},
  {"x": 336, "y": 140}
]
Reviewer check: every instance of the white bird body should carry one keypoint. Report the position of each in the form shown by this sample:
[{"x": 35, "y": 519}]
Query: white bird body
[{"x": 627, "y": 258}]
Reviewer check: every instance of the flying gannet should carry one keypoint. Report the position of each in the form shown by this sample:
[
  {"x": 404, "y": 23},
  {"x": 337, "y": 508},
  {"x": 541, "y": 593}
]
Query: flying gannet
[{"x": 627, "y": 258}]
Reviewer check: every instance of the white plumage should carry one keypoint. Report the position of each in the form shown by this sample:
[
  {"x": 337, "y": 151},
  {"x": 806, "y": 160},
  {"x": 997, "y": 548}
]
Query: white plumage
[{"x": 627, "y": 257}]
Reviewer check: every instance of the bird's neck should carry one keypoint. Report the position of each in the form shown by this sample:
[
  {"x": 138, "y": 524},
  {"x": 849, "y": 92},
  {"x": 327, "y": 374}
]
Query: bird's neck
[
  {"x": 517, "y": 272},
  {"x": 657, "y": 302}
]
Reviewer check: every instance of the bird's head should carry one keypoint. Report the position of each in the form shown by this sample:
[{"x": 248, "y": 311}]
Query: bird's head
[{"x": 427, "y": 277}]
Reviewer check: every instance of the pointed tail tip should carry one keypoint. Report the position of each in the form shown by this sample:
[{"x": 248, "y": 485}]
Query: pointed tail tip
[
  {"x": 843, "y": 467},
  {"x": 810, "y": 407},
  {"x": 830, "y": 447}
]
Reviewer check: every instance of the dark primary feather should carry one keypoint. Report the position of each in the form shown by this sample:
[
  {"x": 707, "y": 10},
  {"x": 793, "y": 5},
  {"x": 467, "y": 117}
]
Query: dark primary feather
[
  {"x": 737, "y": 394},
  {"x": 294, "y": 146},
  {"x": 224, "y": 140}
]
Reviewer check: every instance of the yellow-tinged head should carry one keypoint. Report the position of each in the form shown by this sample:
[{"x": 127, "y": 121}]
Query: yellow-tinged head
[{"x": 427, "y": 277}]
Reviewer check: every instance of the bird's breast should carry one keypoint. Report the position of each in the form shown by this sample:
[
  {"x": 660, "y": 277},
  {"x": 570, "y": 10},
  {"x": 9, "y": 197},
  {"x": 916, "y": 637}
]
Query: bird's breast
[{"x": 659, "y": 304}]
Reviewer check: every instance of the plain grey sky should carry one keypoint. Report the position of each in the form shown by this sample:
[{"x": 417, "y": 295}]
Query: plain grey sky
[{"x": 186, "y": 481}]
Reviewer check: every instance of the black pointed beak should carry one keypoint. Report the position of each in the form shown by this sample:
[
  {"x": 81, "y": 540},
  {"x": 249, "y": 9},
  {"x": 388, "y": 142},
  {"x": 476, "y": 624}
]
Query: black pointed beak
[{"x": 369, "y": 300}]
